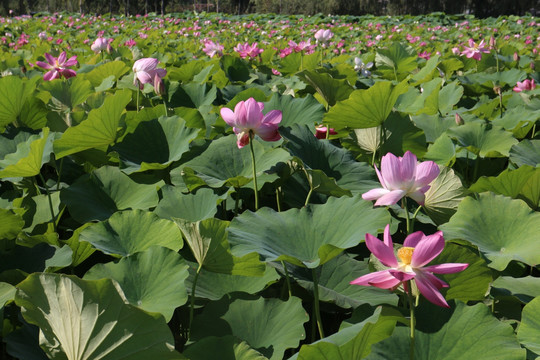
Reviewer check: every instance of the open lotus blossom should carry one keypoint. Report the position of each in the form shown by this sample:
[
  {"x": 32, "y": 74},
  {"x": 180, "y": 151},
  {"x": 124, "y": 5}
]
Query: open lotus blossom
[
  {"x": 246, "y": 50},
  {"x": 211, "y": 48},
  {"x": 146, "y": 70},
  {"x": 525, "y": 85},
  {"x": 248, "y": 120},
  {"x": 363, "y": 68},
  {"x": 58, "y": 67},
  {"x": 401, "y": 177},
  {"x": 475, "y": 50},
  {"x": 417, "y": 251},
  {"x": 101, "y": 44},
  {"x": 323, "y": 35}
]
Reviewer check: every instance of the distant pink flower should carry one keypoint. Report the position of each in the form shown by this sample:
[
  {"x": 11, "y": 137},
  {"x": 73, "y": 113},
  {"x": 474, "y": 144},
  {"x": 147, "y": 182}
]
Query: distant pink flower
[
  {"x": 401, "y": 177},
  {"x": 320, "y": 132},
  {"x": 145, "y": 70},
  {"x": 58, "y": 67},
  {"x": 130, "y": 43},
  {"x": 101, "y": 44},
  {"x": 246, "y": 50},
  {"x": 323, "y": 35},
  {"x": 248, "y": 120},
  {"x": 525, "y": 85},
  {"x": 304, "y": 46},
  {"x": 475, "y": 50},
  {"x": 417, "y": 251},
  {"x": 211, "y": 48}
]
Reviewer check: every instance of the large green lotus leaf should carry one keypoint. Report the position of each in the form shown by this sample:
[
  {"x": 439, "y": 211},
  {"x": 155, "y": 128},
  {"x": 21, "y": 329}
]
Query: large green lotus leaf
[
  {"x": 12, "y": 224},
  {"x": 23, "y": 343},
  {"x": 67, "y": 95},
  {"x": 444, "y": 196},
  {"x": 7, "y": 293},
  {"x": 472, "y": 284},
  {"x": 442, "y": 151},
  {"x": 37, "y": 209},
  {"x": 525, "y": 288},
  {"x": 128, "y": 232},
  {"x": 330, "y": 89},
  {"x": 152, "y": 280},
  {"x": 155, "y": 144},
  {"x": 103, "y": 192},
  {"x": 449, "y": 96},
  {"x": 503, "y": 229},
  {"x": 483, "y": 141},
  {"x": 223, "y": 348},
  {"x": 335, "y": 162},
  {"x": 101, "y": 72},
  {"x": 306, "y": 110},
  {"x": 210, "y": 247},
  {"x": 399, "y": 58},
  {"x": 82, "y": 319},
  {"x": 471, "y": 332},
  {"x": 34, "y": 114},
  {"x": 527, "y": 152},
  {"x": 81, "y": 249},
  {"x": 98, "y": 130},
  {"x": 25, "y": 259},
  {"x": 270, "y": 326},
  {"x": 515, "y": 117},
  {"x": 433, "y": 125},
  {"x": 310, "y": 236},
  {"x": 29, "y": 157},
  {"x": 192, "y": 206},
  {"x": 364, "y": 334},
  {"x": 223, "y": 163},
  {"x": 530, "y": 326},
  {"x": 428, "y": 71},
  {"x": 334, "y": 279},
  {"x": 402, "y": 135},
  {"x": 14, "y": 92},
  {"x": 213, "y": 285},
  {"x": 365, "y": 108}
]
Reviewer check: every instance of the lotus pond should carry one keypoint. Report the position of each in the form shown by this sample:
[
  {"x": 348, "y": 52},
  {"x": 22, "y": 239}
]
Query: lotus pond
[{"x": 204, "y": 186}]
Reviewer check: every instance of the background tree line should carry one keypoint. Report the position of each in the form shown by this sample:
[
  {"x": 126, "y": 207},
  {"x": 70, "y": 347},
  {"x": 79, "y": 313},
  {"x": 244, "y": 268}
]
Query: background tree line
[{"x": 480, "y": 8}]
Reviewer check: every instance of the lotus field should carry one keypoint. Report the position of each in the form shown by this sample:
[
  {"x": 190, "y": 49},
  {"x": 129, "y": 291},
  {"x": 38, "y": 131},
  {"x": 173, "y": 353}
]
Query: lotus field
[{"x": 204, "y": 186}]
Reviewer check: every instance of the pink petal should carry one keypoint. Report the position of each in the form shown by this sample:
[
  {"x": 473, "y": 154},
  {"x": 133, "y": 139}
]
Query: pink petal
[
  {"x": 50, "y": 59},
  {"x": 402, "y": 276},
  {"x": 44, "y": 65},
  {"x": 435, "y": 281},
  {"x": 426, "y": 172},
  {"x": 144, "y": 77},
  {"x": 448, "y": 268},
  {"x": 145, "y": 64},
  {"x": 381, "y": 178},
  {"x": 72, "y": 61},
  {"x": 242, "y": 139},
  {"x": 384, "y": 253},
  {"x": 241, "y": 114},
  {"x": 51, "y": 75},
  {"x": 228, "y": 115},
  {"x": 68, "y": 73},
  {"x": 412, "y": 239},
  {"x": 62, "y": 58},
  {"x": 408, "y": 166},
  {"x": 429, "y": 291},
  {"x": 268, "y": 132},
  {"x": 387, "y": 239},
  {"x": 272, "y": 117},
  {"x": 381, "y": 279},
  {"x": 419, "y": 196},
  {"x": 390, "y": 170},
  {"x": 254, "y": 115},
  {"x": 391, "y": 198},
  {"x": 374, "y": 194},
  {"x": 427, "y": 249},
  {"x": 161, "y": 73}
]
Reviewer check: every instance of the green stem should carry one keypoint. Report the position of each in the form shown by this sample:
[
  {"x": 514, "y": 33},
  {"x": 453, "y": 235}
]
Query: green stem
[
  {"x": 310, "y": 186},
  {"x": 475, "y": 173},
  {"x": 316, "y": 302},
  {"x": 278, "y": 200},
  {"x": 236, "y": 202},
  {"x": 373, "y": 158},
  {"x": 404, "y": 204},
  {"x": 533, "y": 131},
  {"x": 192, "y": 302},
  {"x": 395, "y": 74},
  {"x": 414, "y": 217},
  {"x": 287, "y": 278},
  {"x": 165, "y": 106},
  {"x": 254, "y": 171},
  {"x": 50, "y": 202},
  {"x": 500, "y": 105},
  {"x": 410, "y": 299},
  {"x": 59, "y": 174},
  {"x": 138, "y": 94}
]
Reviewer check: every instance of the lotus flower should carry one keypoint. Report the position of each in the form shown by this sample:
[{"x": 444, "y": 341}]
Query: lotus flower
[
  {"x": 525, "y": 85},
  {"x": 320, "y": 132},
  {"x": 248, "y": 120},
  {"x": 417, "y": 251},
  {"x": 246, "y": 50},
  {"x": 58, "y": 67},
  {"x": 101, "y": 44},
  {"x": 323, "y": 35},
  {"x": 211, "y": 48},
  {"x": 363, "y": 68},
  {"x": 475, "y": 50},
  {"x": 400, "y": 177},
  {"x": 146, "y": 70}
]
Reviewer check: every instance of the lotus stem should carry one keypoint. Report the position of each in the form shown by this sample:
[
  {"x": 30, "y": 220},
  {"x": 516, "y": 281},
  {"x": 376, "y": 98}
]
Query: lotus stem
[
  {"x": 310, "y": 186},
  {"x": 165, "y": 106},
  {"x": 404, "y": 204},
  {"x": 59, "y": 171},
  {"x": 192, "y": 300},
  {"x": 410, "y": 299},
  {"x": 50, "y": 202},
  {"x": 255, "y": 187},
  {"x": 278, "y": 200},
  {"x": 287, "y": 278},
  {"x": 533, "y": 131},
  {"x": 414, "y": 217},
  {"x": 138, "y": 94},
  {"x": 316, "y": 302}
]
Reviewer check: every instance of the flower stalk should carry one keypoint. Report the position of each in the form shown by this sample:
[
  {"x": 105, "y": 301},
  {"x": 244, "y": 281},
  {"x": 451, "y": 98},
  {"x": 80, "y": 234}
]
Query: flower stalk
[{"x": 255, "y": 187}]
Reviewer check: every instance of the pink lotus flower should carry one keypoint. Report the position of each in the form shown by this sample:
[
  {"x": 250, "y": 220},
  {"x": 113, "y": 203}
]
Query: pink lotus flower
[
  {"x": 417, "y": 251},
  {"x": 145, "y": 70},
  {"x": 58, "y": 67},
  {"x": 400, "y": 177},
  {"x": 475, "y": 50},
  {"x": 320, "y": 132},
  {"x": 246, "y": 50},
  {"x": 101, "y": 44},
  {"x": 211, "y": 48},
  {"x": 323, "y": 35},
  {"x": 525, "y": 85},
  {"x": 248, "y": 120}
]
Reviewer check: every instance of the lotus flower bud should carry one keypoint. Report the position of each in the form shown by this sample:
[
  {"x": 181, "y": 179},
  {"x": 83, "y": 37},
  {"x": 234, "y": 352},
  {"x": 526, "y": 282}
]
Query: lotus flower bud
[
  {"x": 532, "y": 65},
  {"x": 159, "y": 87},
  {"x": 492, "y": 43},
  {"x": 516, "y": 56},
  {"x": 459, "y": 119},
  {"x": 497, "y": 89}
]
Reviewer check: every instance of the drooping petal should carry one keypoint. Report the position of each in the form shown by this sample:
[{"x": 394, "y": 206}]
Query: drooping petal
[
  {"x": 51, "y": 75},
  {"x": 268, "y": 132},
  {"x": 426, "y": 172},
  {"x": 418, "y": 196},
  {"x": 68, "y": 73},
  {"x": 412, "y": 239},
  {"x": 228, "y": 115},
  {"x": 390, "y": 198},
  {"x": 401, "y": 275},
  {"x": 273, "y": 117},
  {"x": 381, "y": 279},
  {"x": 435, "y": 281},
  {"x": 161, "y": 73},
  {"x": 384, "y": 253},
  {"x": 427, "y": 249},
  {"x": 374, "y": 194},
  {"x": 242, "y": 139},
  {"x": 448, "y": 268},
  {"x": 144, "y": 77},
  {"x": 430, "y": 291},
  {"x": 145, "y": 64}
]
